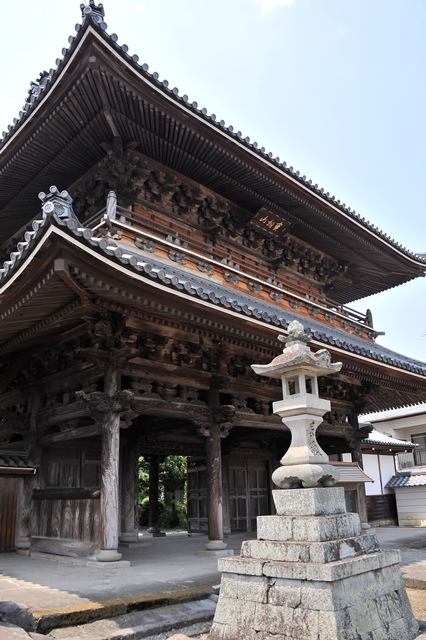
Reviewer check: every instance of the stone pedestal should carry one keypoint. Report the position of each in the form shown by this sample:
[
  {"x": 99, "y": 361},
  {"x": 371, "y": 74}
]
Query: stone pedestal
[
  {"x": 312, "y": 575},
  {"x": 154, "y": 532}
]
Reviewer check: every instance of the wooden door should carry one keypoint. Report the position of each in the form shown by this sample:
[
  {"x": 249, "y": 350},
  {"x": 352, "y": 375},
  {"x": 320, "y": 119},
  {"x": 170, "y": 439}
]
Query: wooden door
[
  {"x": 8, "y": 501},
  {"x": 248, "y": 492}
]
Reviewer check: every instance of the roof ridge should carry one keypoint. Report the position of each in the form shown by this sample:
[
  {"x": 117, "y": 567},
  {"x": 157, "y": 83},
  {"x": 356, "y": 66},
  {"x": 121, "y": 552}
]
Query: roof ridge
[{"x": 94, "y": 14}]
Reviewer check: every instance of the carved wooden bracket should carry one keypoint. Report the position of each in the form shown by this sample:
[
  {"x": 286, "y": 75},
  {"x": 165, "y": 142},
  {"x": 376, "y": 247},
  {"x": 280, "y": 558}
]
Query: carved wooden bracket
[{"x": 98, "y": 403}]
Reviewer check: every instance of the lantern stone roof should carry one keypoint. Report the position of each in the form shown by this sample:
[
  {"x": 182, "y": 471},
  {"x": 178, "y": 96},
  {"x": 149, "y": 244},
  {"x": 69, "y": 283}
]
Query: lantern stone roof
[
  {"x": 98, "y": 91},
  {"x": 297, "y": 354}
]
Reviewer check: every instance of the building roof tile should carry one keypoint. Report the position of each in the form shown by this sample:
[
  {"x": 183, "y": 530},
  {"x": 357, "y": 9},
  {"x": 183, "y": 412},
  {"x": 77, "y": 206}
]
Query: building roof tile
[
  {"x": 377, "y": 438},
  {"x": 395, "y": 414},
  {"x": 92, "y": 17},
  {"x": 192, "y": 284},
  {"x": 399, "y": 480}
]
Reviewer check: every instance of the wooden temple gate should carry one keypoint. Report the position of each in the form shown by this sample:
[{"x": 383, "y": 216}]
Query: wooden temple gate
[{"x": 133, "y": 305}]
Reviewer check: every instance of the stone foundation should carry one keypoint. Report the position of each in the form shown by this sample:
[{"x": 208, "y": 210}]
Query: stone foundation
[{"x": 312, "y": 575}]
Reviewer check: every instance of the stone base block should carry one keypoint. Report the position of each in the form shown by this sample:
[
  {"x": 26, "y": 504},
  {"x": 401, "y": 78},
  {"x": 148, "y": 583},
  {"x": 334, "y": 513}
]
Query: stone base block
[
  {"x": 324, "y": 501},
  {"x": 215, "y": 553},
  {"x": 309, "y": 571},
  {"x": 308, "y": 528},
  {"x": 318, "y": 552},
  {"x": 371, "y": 605}
]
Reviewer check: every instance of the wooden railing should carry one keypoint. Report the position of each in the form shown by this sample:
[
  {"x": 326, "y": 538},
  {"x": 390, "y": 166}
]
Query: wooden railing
[{"x": 193, "y": 246}]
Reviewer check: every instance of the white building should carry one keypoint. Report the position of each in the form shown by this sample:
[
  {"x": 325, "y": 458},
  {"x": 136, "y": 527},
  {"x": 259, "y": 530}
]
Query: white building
[{"x": 396, "y": 460}]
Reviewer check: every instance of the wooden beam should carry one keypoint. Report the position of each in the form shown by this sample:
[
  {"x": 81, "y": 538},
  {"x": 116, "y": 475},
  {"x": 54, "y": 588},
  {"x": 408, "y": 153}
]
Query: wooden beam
[
  {"x": 61, "y": 268},
  {"x": 13, "y": 368},
  {"x": 71, "y": 434}
]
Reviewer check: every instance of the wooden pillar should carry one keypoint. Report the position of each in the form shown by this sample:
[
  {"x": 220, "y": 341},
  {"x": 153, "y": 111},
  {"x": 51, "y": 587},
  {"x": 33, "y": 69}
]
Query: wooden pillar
[
  {"x": 214, "y": 476},
  {"x": 153, "y": 505},
  {"x": 26, "y": 518},
  {"x": 129, "y": 494},
  {"x": 225, "y": 492},
  {"x": 356, "y": 453},
  {"x": 109, "y": 504}
]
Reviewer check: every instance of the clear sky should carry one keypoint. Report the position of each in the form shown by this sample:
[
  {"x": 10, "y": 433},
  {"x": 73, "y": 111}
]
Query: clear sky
[{"x": 336, "y": 88}]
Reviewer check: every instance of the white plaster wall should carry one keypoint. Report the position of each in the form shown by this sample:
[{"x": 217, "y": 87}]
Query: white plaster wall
[
  {"x": 371, "y": 468},
  {"x": 346, "y": 457},
  {"x": 387, "y": 466},
  {"x": 402, "y": 428},
  {"x": 407, "y": 432},
  {"x": 411, "y": 506}
]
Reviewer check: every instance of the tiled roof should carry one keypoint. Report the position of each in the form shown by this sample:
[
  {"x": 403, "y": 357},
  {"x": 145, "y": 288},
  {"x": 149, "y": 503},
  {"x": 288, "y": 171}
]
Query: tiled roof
[
  {"x": 351, "y": 472},
  {"x": 395, "y": 414},
  {"x": 93, "y": 16},
  {"x": 192, "y": 284},
  {"x": 417, "y": 480},
  {"x": 15, "y": 461},
  {"x": 378, "y": 438}
]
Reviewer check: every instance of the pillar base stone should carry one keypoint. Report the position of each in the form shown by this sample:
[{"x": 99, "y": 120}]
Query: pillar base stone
[
  {"x": 23, "y": 543},
  {"x": 311, "y": 573},
  {"x": 216, "y": 545},
  {"x": 129, "y": 537},
  {"x": 108, "y": 555},
  {"x": 154, "y": 534}
]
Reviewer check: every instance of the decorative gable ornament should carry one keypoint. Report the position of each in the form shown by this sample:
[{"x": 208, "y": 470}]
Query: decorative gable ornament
[{"x": 94, "y": 11}]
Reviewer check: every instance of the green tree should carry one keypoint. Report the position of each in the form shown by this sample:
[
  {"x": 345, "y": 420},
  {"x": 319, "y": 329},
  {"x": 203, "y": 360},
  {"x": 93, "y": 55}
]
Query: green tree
[{"x": 172, "y": 478}]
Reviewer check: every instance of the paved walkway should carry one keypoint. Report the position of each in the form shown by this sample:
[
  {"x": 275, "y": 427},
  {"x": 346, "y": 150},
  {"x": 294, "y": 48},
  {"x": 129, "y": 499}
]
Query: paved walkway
[{"x": 166, "y": 571}]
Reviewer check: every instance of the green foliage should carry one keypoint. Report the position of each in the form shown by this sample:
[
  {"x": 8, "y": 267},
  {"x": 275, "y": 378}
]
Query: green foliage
[
  {"x": 173, "y": 473},
  {"x": 172, "y": 478},
  {"x": 143, "y": 512},
  {"x": 143, "y": 480}
]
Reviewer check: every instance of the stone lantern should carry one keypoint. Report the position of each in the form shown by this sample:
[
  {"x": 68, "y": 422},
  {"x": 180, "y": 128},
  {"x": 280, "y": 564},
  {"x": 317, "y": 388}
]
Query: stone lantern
[
  {"x": 305, "y": 464},
  {"x": 311, "y": 572}
]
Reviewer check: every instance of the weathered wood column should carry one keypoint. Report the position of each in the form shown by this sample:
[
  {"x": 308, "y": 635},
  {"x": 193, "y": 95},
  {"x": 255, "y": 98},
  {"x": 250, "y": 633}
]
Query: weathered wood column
[
  {"x": 129, "y": 493},
  {"x": 110, "y": 460},
  {"x": 356, "y": 453},
  {"x": 26, "y": 519},
  {"x": 153, "y": 505},
  {"x": 219, "y": 416},
  {"x": 107, "y": 407}
]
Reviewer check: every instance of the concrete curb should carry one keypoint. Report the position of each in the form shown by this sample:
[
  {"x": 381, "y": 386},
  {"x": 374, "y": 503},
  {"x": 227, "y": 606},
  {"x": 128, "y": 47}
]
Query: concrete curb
[
  {"x": 80, "y": 615},
  {"x": 141, "y": 624}
]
